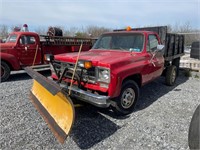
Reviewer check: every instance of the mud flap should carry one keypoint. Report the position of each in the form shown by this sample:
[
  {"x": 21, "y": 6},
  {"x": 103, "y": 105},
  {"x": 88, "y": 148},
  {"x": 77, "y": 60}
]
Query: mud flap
[{"x": 53, "y": 104}]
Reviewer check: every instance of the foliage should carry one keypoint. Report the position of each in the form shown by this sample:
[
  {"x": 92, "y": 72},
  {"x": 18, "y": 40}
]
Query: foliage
[
  {"x": 190, "y": 33},
  {"x": 41, "y": 30},
  {"x": 188, "y": 73},
  {"x": 4, "y": 31},
  {"x": 95, "y": 31}
]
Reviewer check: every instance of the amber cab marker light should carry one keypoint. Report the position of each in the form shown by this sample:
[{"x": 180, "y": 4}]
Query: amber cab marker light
[{"x": 128, "y": 28}]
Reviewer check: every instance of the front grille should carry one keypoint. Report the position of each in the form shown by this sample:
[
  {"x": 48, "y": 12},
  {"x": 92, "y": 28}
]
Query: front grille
[{"x": 86, "y": 75}]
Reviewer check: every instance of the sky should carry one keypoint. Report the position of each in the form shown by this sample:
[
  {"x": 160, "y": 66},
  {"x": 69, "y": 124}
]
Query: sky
[{"x": 113, "y": 14}]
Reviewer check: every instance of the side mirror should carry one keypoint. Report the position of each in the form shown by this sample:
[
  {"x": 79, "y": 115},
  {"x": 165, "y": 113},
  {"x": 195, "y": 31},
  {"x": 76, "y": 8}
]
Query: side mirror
[{"x": 160, "y": 48}]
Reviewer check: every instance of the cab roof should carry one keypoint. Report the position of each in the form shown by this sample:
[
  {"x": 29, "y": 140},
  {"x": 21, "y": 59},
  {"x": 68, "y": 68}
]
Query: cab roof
[
  {"x": 27, "y": 33},
  {"x": 122, "y": 32}
]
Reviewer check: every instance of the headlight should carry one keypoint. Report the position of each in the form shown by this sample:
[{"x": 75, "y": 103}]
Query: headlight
[
  {"x": 48, "y": 57},
  {"x": 104, "y": 75}
]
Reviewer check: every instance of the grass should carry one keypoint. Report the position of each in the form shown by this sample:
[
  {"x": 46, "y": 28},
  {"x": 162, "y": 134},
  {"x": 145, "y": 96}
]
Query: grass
[
  {"x": 188, "y": 73},
  {"x": 196, "y": 76}
]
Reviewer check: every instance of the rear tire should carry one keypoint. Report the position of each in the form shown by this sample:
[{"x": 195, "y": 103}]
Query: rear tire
[
  {"x": 126, "y": 101},
  {"x": 5, "y": 71},
  {"x": 171, "y": 74},
  {"x": 176, "y": 62}
]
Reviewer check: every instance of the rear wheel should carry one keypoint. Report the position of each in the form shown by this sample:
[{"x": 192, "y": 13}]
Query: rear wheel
[
  {"x": 171, "y": 74},
  {"x": 176, "y": 62},
  {"x": 5, "y": 71},
  {"x": 126, "y": 101}
]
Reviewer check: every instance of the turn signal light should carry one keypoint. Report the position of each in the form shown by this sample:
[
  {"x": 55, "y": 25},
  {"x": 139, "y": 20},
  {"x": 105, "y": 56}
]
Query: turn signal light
[{"x": 87, "y": 64}]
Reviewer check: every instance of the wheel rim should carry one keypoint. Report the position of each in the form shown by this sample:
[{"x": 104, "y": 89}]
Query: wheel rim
[
  {"x": 128, "y": 97},
  {"x": 173, "y": 75}
]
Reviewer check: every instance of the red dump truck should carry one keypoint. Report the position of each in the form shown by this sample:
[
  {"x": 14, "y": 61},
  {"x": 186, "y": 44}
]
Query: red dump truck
[
  {"x": 108, "y": 75},
  {"x": 23, "y": 49}
]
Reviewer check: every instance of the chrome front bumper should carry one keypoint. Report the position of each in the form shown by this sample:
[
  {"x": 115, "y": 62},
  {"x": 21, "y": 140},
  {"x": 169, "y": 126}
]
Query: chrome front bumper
[{"x": 97, "y": 100}]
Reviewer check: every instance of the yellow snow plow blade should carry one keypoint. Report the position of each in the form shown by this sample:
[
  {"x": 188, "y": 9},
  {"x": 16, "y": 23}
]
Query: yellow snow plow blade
[{"x": 53, "y": 104}]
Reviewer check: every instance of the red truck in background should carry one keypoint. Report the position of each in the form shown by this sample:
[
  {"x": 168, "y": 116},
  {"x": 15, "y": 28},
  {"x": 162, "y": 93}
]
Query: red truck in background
[
  {"x": 23, "y": 49},
  {"x": 120, "y": 62}
]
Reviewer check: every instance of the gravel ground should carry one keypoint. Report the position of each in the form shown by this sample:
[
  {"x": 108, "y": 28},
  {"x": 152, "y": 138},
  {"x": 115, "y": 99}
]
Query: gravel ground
[{"x": 160, "y": 121}]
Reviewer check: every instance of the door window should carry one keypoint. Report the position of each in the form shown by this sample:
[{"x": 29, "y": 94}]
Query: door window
[
  {"x": 152, "y": 43},
  {"x": 26, "y": 40}
]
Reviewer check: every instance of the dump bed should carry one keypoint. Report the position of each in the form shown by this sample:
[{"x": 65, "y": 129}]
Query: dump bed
[{"x": 174, "y": 43}]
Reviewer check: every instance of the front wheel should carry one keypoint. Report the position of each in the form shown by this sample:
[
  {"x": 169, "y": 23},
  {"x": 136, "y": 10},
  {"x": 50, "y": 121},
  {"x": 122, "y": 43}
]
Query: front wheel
[
  {"x": 126, "y": 101},
  {"x": 5, "y": 71}
]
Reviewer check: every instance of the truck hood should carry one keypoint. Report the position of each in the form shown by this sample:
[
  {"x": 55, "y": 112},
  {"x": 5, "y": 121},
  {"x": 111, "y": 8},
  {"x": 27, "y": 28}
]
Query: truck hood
[
  {"x": 5, "y": 46},
  {"x": 103, "y": 58}
]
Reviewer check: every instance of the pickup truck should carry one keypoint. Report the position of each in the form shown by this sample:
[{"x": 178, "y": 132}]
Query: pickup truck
[
  {"x": 108, "y": 75},
  {"x": 23, "y": 49},
  {"x": 120, "y": 62}
]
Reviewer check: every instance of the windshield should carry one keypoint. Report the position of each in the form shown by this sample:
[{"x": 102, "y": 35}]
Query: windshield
[
  {"x": 121, "y": 41},
  {"x": 11, "y": 38}
]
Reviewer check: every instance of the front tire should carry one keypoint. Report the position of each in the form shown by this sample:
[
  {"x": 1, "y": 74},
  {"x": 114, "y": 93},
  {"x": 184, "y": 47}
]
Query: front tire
[
  {"x": 5, "y": 71},
  {"x": 126, "y": 101}
]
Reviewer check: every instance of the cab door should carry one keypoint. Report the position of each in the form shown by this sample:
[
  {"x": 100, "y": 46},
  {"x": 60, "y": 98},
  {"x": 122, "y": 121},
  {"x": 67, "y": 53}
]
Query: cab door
[
  {"x": 156, "y": 59},
  {"x": 29, "y": 51}
]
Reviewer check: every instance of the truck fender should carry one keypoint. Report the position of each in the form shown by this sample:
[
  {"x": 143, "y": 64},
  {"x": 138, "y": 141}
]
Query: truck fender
[
  {"x": 11, "y": 60},
  {"x": 136, "y": 77}
]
